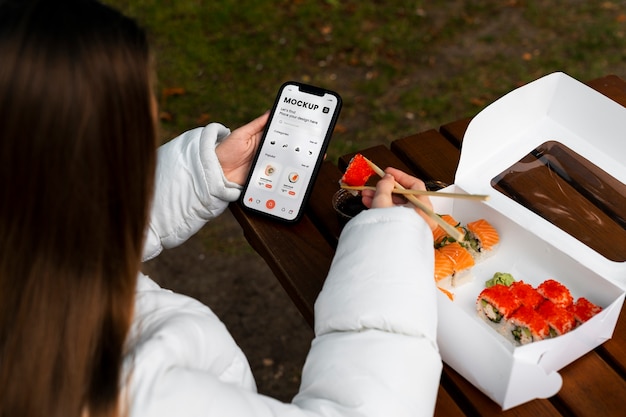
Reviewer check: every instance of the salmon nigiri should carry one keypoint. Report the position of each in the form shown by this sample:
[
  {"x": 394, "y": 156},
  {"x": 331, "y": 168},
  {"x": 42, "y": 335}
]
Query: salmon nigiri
[
  {"x": 462, "y": 263},
  {"x": 444, "y": 266},
  {"x": 482, "y": 237},
  {"x": 440, "y": 236}
]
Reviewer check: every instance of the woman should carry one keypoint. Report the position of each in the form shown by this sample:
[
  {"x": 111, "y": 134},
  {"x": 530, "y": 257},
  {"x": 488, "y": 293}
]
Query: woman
[{"x": 83, "y": 332}]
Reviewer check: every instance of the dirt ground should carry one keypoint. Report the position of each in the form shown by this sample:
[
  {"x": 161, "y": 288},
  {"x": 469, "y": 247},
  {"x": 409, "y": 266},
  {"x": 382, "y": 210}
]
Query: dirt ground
[{"x": 242, "y": 290}]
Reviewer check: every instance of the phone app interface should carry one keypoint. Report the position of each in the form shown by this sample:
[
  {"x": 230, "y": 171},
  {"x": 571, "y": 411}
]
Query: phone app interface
[{"x": 294, "y": 140}]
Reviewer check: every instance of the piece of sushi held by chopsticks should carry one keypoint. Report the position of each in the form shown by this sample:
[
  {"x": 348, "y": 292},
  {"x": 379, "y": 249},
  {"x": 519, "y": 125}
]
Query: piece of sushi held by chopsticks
[
  {"x": 360, "y": 169},
  {"x": 357, "y": 173}
]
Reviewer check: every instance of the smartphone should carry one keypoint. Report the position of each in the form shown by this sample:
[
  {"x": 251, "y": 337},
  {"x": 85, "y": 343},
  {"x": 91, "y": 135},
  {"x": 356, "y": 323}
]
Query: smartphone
[{"x": 291, "y": 151}]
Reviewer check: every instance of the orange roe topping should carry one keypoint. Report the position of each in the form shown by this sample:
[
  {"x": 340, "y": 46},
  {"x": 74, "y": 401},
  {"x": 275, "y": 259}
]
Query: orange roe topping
[
  {"x": 501, "y": 298},
  {"x": 527, "y": 317},
  {"x": 560, "y": 319},
  {"x": 526, "y": 294},
  {"x": 358, "y": 171},
  {"x": 556, "y": 292},
  {"x": 584, "y": 309}
]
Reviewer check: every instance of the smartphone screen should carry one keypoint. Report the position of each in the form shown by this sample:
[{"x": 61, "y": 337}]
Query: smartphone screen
[{"x": 292, "y": 150}]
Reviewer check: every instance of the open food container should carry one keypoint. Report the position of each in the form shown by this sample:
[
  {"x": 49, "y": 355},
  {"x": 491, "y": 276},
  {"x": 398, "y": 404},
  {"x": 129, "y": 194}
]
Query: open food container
[{"x": 581, "y": 132}]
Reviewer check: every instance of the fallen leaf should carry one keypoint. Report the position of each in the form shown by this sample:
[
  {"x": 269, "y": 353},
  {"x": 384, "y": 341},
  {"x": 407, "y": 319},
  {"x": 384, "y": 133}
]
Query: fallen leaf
[
  {"x": 339, "y": 128},
  {"x": 165, "y": 116},
  {"x": 172, "y": 91},
  {"x": 477, "y": 101},
  {"x": 203, "y": 119}
]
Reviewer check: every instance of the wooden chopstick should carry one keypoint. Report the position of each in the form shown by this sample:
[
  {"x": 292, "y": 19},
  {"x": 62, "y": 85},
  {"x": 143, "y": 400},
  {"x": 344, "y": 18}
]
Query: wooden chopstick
[
  {"x": 480, "y": 197},
  {"x": 449, "y": 229}
]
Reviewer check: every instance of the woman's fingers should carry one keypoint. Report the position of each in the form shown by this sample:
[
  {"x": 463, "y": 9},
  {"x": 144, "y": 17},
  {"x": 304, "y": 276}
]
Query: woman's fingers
[{"x": 382, "y": 197}]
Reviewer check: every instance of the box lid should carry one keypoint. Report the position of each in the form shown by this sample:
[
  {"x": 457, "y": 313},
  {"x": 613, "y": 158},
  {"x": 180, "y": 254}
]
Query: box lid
[{"x": 555, "y": 107}]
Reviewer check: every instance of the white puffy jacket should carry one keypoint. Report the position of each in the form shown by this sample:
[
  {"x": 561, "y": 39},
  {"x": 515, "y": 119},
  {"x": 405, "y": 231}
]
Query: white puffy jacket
[{"x": 374, "y": 352}]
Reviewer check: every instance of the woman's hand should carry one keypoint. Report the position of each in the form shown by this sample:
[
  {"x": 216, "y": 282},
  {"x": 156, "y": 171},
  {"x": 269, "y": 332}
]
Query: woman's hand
[
  {"x": 383, "y": 197},
  {"x": 237, "y": 150}
]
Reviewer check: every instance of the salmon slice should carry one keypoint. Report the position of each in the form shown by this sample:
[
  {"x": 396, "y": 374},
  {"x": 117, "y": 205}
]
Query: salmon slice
[
  {"x": 449, "y": 294},
  {"x": 460, "y": 256},
  {"x": 439, "y": 234},
  {"x": 444, "y": 266},
  {"x": 485, "y": 233}
]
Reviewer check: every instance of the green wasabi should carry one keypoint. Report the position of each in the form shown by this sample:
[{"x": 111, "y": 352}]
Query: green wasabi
[{"x": 503, "y": 278}]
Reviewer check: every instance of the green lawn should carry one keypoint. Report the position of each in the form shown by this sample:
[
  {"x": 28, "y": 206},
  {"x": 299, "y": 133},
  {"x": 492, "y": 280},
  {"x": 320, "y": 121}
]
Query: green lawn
[{"x": 400, "y": 66}]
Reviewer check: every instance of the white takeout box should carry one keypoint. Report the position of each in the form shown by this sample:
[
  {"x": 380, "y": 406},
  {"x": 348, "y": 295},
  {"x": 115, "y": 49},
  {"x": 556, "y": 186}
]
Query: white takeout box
[{"x": 555, "y": 107}]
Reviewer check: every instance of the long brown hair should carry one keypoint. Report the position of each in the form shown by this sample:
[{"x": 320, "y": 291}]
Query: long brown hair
[{"x": 77, "y": 156}]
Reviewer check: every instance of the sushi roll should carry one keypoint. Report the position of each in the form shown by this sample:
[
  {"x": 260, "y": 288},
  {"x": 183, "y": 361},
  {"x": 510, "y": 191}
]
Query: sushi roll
[
  {"x": 556, "y": 292},
  {"x": 526, "y": 294},
  {"x": 482, "y": 238},
  {"x": 527, "y": 325},
  {"x": 444, "y": 267},
  {"x": 583, "y": 310},
  {"x": 560, "y": 320},
  {"x": 358, "y": 171},
  {"x": 440, "y": 236},
  {"x": 496, "y": 304},
  {"x": 461, "y": 263}
]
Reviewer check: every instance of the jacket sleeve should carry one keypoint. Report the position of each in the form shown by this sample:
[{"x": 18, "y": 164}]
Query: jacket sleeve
[
  {"x": 190, "y": 188},
  {"x": 374, "y": 351}
]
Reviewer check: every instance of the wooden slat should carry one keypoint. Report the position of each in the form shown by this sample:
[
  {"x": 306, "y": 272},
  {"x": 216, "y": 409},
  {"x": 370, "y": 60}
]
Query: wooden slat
[
  {"x": 298, "y": 255},
  {"x": 454, "y": 131},
  {"x": 446, "y": 406},
  {"x": 380, "y": 155},
  {"x": 592, "y": 388},
  {"x": 320, "y": 208},
  {"x": 475, "y": 403},
  {"x": 429, "y": 155},
  {"x": 611, "y": 86},
  {"x": 614, "y": 350}
]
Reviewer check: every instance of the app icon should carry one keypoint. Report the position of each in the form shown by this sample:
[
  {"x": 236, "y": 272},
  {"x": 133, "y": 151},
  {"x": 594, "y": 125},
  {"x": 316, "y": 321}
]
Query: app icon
[
  {"x": 294, "y": 177},
  {"x": 269, "y": 170}
]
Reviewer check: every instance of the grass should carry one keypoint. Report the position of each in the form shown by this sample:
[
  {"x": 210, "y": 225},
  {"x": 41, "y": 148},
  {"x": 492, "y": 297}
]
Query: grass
[{"x": 401, "y": 67}]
